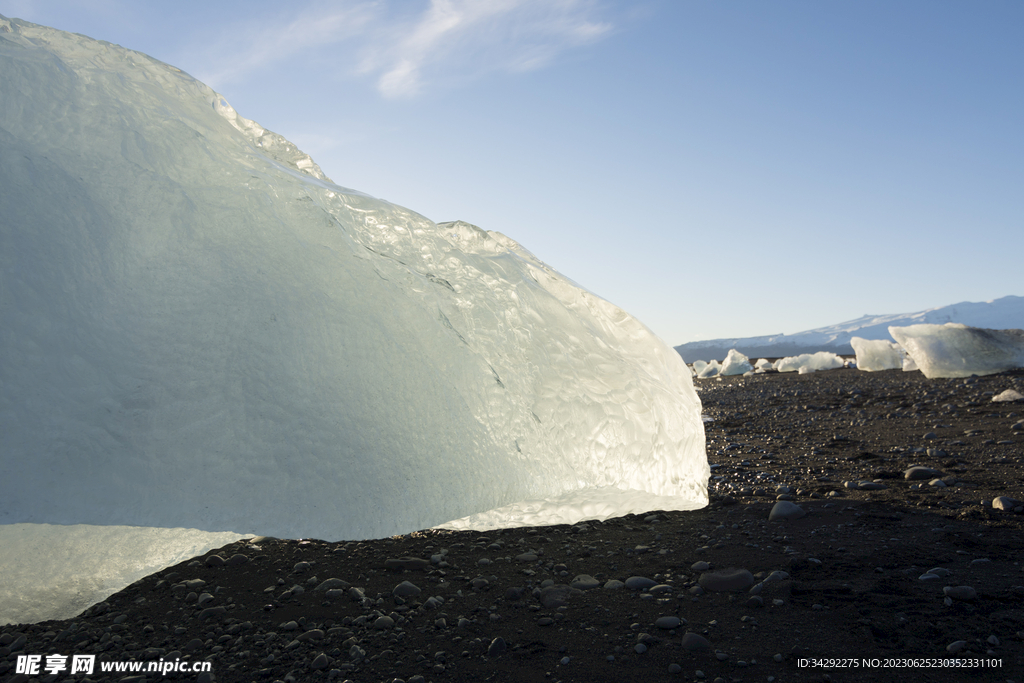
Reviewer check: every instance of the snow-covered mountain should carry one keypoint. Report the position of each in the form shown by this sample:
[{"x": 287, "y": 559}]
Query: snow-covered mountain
[{"x": 999, "y": 314}]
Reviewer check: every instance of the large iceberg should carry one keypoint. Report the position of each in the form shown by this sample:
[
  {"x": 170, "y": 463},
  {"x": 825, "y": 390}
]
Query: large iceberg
[
  {"x": 956, "y": 350},
  {"x": 200, "y": 331}
]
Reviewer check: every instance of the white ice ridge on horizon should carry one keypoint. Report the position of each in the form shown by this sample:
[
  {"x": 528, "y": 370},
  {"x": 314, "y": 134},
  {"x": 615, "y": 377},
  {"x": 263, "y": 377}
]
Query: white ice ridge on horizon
[
  {"x": 1002, "y": 313},
  {"x": 199, "y": 330}
]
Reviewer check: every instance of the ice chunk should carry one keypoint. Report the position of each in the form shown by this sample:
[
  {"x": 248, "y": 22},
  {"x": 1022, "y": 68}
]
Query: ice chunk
[
  {"x": 54, "y": 572},
  {"x": 874, "y": 355},
  {"x": 199, "y": 330},
  {"x": 1008, "y": 395},
  {"x": 710, "y": 370},
  {"x": 956, "y": 350},
  {"x": 763, "y": 364},
  {"x": 809, "y": 362},
  {"x": 735, "y": 363}
]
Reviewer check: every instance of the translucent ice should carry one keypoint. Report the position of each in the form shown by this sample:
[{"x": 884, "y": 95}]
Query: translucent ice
[
  {"x": 710, "y": 370},
  {"x": 199, "y": 330},
  {"x": 735, "y": 363},
  {"x": 54, "y": 572},
  {"x": 809, "y": 362},
  {"x": 956, "y": 350},
  {"x": 876, "y": 354}
]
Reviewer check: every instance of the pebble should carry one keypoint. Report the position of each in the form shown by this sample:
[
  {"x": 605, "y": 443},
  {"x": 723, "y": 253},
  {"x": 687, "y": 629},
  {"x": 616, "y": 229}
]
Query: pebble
[
  {"x": 1004, "y": 503},
  {"x": 701, "y": 566},
  {"x": 920, "y": 472},
  {"x": 406, "y": 563},
  {"x": 236, "y": 559},
  {"x": 384, "y": 622},
  {"x": 726, "y": 580},
  {"x": 956, "y": 646},
  {"x": 640, "y": 583},
  {"x": 960, "y": 592},
  {"x": 497, "y": 647},
  {"x": 668, "y": 622},
  {"x": 785, "y": 509},
  {"x": 694, "y": 641},
  {"x": 613, "y": 584},
  {"x": 584, "y": 582},
  {"x": 406, "y": 589}
]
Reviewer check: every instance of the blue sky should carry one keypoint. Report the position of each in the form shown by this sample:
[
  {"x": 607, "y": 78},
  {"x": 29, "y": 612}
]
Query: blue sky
[{"x": 717, "y": 169}]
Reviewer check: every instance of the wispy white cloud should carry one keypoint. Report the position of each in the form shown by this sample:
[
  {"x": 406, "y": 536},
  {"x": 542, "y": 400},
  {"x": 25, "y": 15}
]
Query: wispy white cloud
[
  {"x": 406, "y": 49},
  {"x": 468, "y": 38},
  {"x": 245, "y": 49}
]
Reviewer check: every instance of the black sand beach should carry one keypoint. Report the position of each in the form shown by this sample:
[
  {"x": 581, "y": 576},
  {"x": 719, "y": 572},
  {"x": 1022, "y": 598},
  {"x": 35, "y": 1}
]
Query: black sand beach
[{"x": 834, "y": 595}]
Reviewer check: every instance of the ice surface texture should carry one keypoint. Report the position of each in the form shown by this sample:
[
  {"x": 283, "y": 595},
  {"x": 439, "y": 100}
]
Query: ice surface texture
[
  {"x": 956, "y": 350},
  {"x": 200, "y": 330}
]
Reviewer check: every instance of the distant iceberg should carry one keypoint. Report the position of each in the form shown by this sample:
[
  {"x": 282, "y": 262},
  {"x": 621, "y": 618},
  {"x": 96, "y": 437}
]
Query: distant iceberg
[
  {"x": 874, "y": 355},
  {"x": 809, "y": 362},
  {"x": 198, "y": 329},
  {"x": 735, "y": 363},
  {"x": 955, "y": 350}
]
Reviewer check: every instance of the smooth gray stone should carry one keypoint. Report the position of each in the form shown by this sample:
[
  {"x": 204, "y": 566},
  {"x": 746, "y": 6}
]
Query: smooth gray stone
[
  {"x": 693, "y": 641},
  {"x": 960, "y": 592},
  {"x": 557, "y": 595},
  {"x": 497, "y": 647},
  {"x": 726, "y": 580},
  {"x": 406, "y": 589},
  {"x": 920, "y": 472},
  {"x": 639, "y": 583},
  {"x": 584, "y": 582},
  {"x": 406, "y": 563},
  {"x": 785, "y": 510}
]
